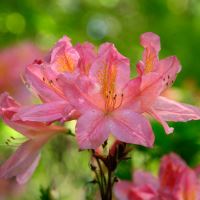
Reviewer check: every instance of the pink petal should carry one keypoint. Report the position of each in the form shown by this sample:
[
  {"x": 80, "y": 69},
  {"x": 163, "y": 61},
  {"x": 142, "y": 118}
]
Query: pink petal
[
  {"x": 141, "y": 193},
  {"x": 140, "y": 93},
  {"x": 171, "y": 110},
  {"x": 171, "y": 168},
  {"x": 122, "y": 189},
  {"x": 81, "y": 92},
  {"x": 131, "y": 127},
  {"x": 48, "y": 112},
  {"x": 149, "y": 90},
  {"x": 150, "y": 39},
  {"x": 7, "y": 101},
  {"x": 159, "y": 118},
  {"x": 110, "y": 64},
  {"x": 64, "y": 58},
  {"x": 153, "y": 83},
  {"x": 9, "y": 107},
  {"x": 141, "y": 178},
  {"x": 42, "y": 88},
  {"x": 87, "y": 56},
  {"x": 168, "y": 69},
  {"x": 64, "y": 41},
  {"x": 151, "y": 43},
  {"x": 177, "y": 180},
  {"x": 140, "y": 67},
  {"x": 188, "y": 185},
  {"x": 130, "y": 91},
  {"x": 25, "y": 176},
  {"x": 23, "y": 159},
  {"x": 173, "y": 159},
  {"x": 92, "y": 129}
]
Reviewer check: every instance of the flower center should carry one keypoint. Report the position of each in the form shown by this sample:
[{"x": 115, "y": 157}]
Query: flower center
[
  {"x": 113, "y": 101},
  {"x": 107, "y": 79}
]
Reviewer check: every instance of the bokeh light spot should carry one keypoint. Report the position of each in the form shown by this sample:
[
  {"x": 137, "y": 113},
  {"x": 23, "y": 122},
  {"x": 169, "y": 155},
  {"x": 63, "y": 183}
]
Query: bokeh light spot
[
  {"x": 97, "y": 28},
  {"x": 15, "y": 23}
]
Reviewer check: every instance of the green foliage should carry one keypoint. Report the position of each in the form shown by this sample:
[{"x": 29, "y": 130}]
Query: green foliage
[{"x": 45, "y": 193}]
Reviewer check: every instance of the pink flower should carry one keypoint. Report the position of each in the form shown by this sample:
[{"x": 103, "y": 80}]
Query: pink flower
[
  {"x": 76, "y": 82},
  {"x": 24, "y": 161},
  {"x": 163, "y": 71},
  {"x": 41, "y": 77},
  {"x": 176, "y": 182},
  {"x": 108, "y": 102}
]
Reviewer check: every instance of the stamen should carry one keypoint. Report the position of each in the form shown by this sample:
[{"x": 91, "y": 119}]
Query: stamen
[
  {"x": 50, "y": 82},
  {"x": 114, "y": 101},
  {"x": 122, "y": 96}
]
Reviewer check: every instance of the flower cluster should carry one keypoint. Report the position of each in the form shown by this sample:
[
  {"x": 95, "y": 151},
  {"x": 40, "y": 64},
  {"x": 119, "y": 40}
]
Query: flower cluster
[
  {"x": 95, "y": 88},
  {"x": 176, "y": 182}
]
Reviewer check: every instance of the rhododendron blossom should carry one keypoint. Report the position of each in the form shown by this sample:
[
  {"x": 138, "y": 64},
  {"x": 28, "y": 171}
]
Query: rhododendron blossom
[
  {"x": 94, "y": 87},
  {"x": 105, "y": 99},
  {"x": 176, "y": 182},
  {"x": 163, "y": 71}
]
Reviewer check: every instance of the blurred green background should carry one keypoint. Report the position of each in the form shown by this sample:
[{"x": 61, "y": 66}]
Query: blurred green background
[{"x": 63, "y": 171}]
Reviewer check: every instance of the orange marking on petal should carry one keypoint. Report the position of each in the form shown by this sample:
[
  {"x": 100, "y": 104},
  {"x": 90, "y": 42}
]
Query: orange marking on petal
[
  {"x": 107, "y": 78},
  {"x": 65, "y": 63},
  {"x": 149, "y": 61}
]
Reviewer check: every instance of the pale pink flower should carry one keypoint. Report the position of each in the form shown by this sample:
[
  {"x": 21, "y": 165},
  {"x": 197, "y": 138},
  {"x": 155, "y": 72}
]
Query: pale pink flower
[
  {"x": 163, "y": 71},
  {"x": 42, "y": 76},
  {"x": 24, "y": 161},
  {"x": 108, "y": 102},
  {"x": 176, "y": 182},
  {"x": 76, "y": 82}
]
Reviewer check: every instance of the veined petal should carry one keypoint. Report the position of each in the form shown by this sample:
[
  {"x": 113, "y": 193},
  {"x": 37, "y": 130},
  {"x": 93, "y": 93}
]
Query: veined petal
[
  {"x": 40, "y": 85},
  {"x": 63, "y": 57},
  {"x": 153, "y": 83},
  {"x": 9, "y": 107},
  {"x": 87, "y": 55},
  {"x": 23, "y": 159},
  {"x": 151, "y": 43},
  {"x": 111, "y": 70},
  {"x": 171, "y": 110},
  {"x": 140, "y": 93},
  {"x": 92, "y": 129},
  {"x": 48, "y": 112},
  {"x": 159, "y": 118},
  {"x": 33, "y": 129},
  {"x": 150, "y": 39},
  {"x": 168, "y": 69},
  {"x": 131, "y": 127},
  {"x": 81, "y": 92}
]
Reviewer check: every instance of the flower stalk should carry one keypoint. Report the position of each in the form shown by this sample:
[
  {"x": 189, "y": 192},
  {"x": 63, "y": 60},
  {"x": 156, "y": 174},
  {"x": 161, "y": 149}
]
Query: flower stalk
[{"x": 104, "y": 167}]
